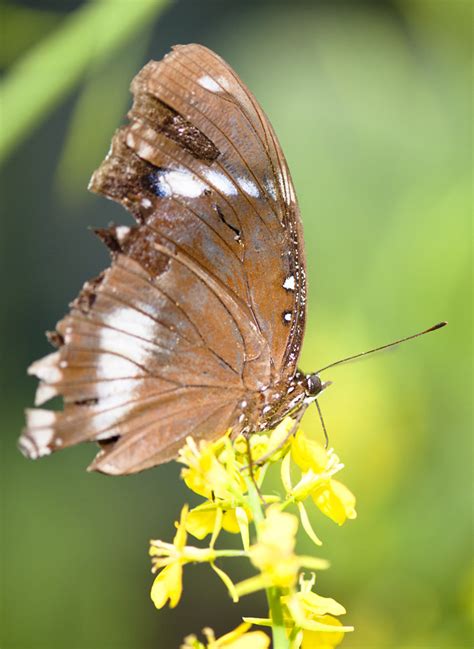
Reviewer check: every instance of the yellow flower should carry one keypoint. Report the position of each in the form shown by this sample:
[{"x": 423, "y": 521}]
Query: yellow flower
[
  {"x": 271, "y": 444},
  {"x": 201, "y": 520},
  {"x": 309, "y": 610},
  {"x": 323, "y": 639},
  {"x": 168, "y": 582},
  {"x": 211, "y": 470},
  {"x": 168, "y": 585},
  {"x": 273, "y": 554},
  {"x": 307, "y": 619},
  {"x": 308, "y": 454},
  {"x": 171, "y": 557},
  {"x": 313, "y": 615},
  {"x": 239, "y": 638},
  {"x": 333, "y": 498},
  {"x": 316, "y": 605}
]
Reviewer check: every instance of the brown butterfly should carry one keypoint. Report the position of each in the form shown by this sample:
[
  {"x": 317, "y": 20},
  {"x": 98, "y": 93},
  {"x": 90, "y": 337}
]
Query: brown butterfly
[{"x": 197, "y": 325}]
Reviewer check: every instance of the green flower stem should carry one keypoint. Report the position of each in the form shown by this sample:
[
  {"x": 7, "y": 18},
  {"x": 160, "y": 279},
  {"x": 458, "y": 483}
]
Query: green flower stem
[
  {"x": 230, "y": 553},
  {"x": 280, "y": 640},
  {"x": 47, "y": 72},
  {"x": 286, "y": 503}
]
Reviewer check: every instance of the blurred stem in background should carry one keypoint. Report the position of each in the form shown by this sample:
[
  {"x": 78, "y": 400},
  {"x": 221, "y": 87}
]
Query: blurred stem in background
[
  {"x": 46, "y": 73},
  {"x": 99, "y": 108}
]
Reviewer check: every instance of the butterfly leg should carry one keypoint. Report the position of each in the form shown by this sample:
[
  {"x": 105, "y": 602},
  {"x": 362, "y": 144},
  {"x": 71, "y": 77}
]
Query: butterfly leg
[
  {"x": 326, "y": 437},
  {"x": 251, "y": 466},
  {"x": 296, "y": 423}
]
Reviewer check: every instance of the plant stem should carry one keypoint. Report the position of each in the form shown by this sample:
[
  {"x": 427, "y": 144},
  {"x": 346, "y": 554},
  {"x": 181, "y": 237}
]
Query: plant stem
[
  {"x": 47, "y": 72},
  {"x": 230, "y": 553},
  {"x": 280, "y": 640}
]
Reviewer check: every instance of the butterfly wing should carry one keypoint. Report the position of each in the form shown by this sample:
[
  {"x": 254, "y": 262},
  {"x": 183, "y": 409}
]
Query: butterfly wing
[
  {"x": 250, "y": 185},
  {"x": 204, "y": 299},
  {"x": 137, "y": 368}
]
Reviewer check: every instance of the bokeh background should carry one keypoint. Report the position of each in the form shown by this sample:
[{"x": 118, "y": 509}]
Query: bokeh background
[{"x": 372, "y": 104}]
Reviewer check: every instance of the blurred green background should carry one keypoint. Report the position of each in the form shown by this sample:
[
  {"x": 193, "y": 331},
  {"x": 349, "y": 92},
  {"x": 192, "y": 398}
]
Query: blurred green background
[{"x": 372, "y": 104}]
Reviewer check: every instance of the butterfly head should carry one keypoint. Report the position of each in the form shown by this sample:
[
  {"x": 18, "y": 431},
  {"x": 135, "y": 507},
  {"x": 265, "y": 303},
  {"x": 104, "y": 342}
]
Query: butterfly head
[{"x": 314, "y": 385}]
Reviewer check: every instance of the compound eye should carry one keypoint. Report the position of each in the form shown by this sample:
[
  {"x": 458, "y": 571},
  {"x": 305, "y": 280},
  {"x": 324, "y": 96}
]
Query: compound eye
[{"x": 313, "y": 384}]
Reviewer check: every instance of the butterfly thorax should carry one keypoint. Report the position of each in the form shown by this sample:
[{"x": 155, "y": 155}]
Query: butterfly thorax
[{"x": 266, "y": 408}]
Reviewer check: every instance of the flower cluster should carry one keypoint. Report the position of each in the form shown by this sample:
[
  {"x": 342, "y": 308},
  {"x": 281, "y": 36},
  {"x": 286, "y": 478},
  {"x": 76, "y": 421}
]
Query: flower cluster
[{"x": 230, "y": 476}]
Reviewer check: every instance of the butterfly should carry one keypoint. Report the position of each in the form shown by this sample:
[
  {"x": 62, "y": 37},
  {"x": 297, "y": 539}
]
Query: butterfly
[{"x": 197, "y": 325}]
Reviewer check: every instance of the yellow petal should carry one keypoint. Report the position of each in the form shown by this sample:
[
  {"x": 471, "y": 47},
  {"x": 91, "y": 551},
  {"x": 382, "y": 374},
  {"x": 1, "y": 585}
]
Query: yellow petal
[
  {"x": 316, "y": 605},
  {"x": 273, "y": 553},
  {"x": 308, "y": 454},
  {"x": 323, "y": 639},
  {"x": 204, "y": 473},
  {"x": 200, "y": 523},
  {"x": 335, "y": 501},
  {"x": 278, "y": 440},
  {"x": 251, "y": 585},
  {"x": 235, "y": 633},
  {"x": 240, "y": 639},
  {"x": 306, "y": 523},
  {"x": 278, "y": 531},
  {"x": 180, "y": 537},
  {"x": 217, "y": 528},
  {"x": 252, "y": 640},
  {"x": 227, "y": 581},
  {"x": 312, "y": 563},
  {"x": 261, "y": 621},
  {"x": 230, "y": 523},
  {"x": 346, "y": 498},
  {"x": 167, "y": 585},
  {"x": 243, "y": 526}
]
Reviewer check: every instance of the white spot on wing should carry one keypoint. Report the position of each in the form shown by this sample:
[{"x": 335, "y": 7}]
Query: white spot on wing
[
  {"x": 270, "y": 187},
  {"x": 249, "y": 187},
  {"x": 289, "y": 283},
  {"x": 180, "y": 182},
  {"x": 44, "y": 393},
  {"x": 129, "y": 321},
  {"x": 121, "y": 231},
  {"x": 47, "y": 368},
  {"x": 221, "y": 182},
  {"x": 37, "y": 418},
  {"x": 27, "y": 447},
  {"x": 209, "y": 83},
  {"x": 36, "y": 441}
]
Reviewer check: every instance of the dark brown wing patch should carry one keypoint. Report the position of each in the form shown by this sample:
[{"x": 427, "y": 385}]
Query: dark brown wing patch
[{"x": 163, "y": 119}]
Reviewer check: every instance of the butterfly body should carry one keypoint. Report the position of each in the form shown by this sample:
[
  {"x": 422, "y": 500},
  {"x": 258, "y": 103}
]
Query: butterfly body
[{"x": 197, "y": 325}]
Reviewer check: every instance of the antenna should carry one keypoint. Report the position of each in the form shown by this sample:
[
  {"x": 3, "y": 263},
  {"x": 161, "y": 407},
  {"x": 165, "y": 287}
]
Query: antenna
[{"x": 440, "y": 325}]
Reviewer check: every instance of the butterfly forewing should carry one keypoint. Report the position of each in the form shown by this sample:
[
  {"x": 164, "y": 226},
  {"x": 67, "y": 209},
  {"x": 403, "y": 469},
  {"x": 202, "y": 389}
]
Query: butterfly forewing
[{"x": 204, "y": 301}]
